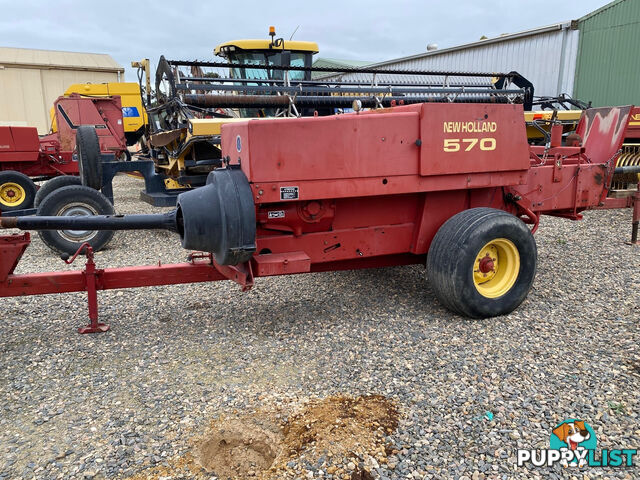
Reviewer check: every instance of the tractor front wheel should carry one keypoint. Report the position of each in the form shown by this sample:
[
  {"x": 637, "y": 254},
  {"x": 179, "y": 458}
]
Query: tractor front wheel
[
  {"x": 482, "y": 263},
  {"x": 17, "y": 191}
]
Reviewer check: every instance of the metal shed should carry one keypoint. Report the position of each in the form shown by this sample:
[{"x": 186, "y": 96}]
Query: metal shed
[
  {"x": 336, "y": 63},
  {"x": 545, "y": 56},
  {"x": 30, "y": 80},
  {"x": 608, "y": 70}
]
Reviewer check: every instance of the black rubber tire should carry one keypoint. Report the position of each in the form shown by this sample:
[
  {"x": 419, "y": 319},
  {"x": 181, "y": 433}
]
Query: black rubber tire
[
  {"x": 22, "y": 202},
  {"x": 54, "y": 184},
  {"x": 126, "y": 154},
  {"x": 75, "y": 200},
  {"x": 452, "y": 257},
  {"x": 89, "y": 157}
]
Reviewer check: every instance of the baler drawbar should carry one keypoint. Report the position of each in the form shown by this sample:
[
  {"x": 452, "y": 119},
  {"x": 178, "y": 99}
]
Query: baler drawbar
[
  {"x": 166, "y": 221},
  {"x": 450, "y": 186}
]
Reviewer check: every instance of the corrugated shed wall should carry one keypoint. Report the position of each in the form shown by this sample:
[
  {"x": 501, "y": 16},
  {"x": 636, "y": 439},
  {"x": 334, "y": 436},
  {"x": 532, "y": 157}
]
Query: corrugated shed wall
[
  {"x": 546, "y": 58},
  {"x": 30, "y": 81},
  {"x": 27, "y": 94},
  {"x": 608, "y": 68}
]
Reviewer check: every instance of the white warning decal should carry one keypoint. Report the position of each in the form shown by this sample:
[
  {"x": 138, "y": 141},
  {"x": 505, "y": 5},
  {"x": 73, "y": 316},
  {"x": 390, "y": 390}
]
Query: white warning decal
[
  {"x": 288, "y": 193},
  {"x": 276, "y": 214}
]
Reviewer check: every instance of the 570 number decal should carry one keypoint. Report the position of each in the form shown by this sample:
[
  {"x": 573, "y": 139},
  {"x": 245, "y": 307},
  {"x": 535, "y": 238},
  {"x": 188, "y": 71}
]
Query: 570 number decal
[{"x": 467, "y": 144}]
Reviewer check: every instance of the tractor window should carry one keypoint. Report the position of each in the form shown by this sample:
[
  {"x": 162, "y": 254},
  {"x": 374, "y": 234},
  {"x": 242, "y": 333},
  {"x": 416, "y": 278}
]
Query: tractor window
[
  {"x": 252, "y": 59},
  {"x": 297, "y": 60},
  {"x": 266, "y": 58}
]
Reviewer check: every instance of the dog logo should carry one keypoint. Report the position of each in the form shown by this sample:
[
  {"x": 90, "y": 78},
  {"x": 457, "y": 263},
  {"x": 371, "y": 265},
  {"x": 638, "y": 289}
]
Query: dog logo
[
  {"x": 576, "y": 436},
  {"x": 573, "y": 443}
]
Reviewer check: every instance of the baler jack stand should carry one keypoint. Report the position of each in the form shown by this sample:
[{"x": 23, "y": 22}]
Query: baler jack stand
[{"x": 92, "y": 292}]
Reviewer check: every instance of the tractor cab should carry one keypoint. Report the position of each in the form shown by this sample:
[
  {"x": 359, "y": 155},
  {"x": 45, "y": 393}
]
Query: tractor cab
[{"x": 268, "y": 52}]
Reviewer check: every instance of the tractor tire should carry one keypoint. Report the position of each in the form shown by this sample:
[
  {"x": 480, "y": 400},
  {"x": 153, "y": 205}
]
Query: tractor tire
[
  {"x": 75, "y": 200},
  {"x": 89, "y": 157},
  {"x": 54, "y": 184},
  {"x": 482, "y": 263},
  {"x": 17, "y": 191}
]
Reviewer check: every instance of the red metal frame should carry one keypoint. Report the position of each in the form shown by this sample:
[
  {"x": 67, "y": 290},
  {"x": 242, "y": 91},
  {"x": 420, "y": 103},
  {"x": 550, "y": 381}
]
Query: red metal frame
[
  {"x": 371, "y": 190},
  {"x": 200, "y": 268}
]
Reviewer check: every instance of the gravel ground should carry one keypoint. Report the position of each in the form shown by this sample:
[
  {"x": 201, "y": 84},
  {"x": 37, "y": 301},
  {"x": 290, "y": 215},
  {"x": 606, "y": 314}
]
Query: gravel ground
[{"x": 113, "y": 405}]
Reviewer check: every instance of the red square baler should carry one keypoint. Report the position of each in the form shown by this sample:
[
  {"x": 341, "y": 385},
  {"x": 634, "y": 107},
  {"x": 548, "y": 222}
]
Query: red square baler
[{"x": 456, "y": 187}]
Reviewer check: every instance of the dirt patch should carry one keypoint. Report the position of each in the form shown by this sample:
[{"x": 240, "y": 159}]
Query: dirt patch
[
  {"x": 262, "y": 445},
  {"x": 344, "y": 435},
  {"x": 240, "y": 447},
  {"x": 340, "y": 424}
]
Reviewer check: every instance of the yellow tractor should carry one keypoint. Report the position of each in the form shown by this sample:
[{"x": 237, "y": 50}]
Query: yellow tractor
[
  {"x": 268, "y": 52},
  {"x": 263, "y": 53}
]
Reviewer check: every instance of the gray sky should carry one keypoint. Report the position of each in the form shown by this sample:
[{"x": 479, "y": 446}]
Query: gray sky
[{"x": 368, "y": 30}]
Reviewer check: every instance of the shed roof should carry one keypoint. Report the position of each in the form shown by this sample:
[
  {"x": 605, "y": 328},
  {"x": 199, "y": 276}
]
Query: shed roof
[
  {"x": 339, "y": 63},
  {"x": 465, "y": 46},
  {"x": 54, "y": 59}
]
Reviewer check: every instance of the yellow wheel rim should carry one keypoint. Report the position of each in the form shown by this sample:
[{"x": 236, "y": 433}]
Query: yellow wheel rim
[
  {"x": 496, "y": 268},
  {"x": 11, "y": 194}
]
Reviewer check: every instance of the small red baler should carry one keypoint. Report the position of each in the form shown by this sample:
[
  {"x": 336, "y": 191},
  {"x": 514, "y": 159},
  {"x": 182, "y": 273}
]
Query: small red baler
[
  {"x": 455, "y": 187},
  {"x": 24, "y": 156}
]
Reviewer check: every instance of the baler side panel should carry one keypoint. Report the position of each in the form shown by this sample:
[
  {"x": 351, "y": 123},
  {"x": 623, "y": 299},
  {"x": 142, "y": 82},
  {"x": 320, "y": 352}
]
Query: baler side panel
[
  {"x": 341, "y": 229},
  {"x": 362, "y": 212},
  {"x": 343, "y": 244},
  {"x": 361, "y": 174},
  {"x": 459, "y": 138},
  {"x": 19, "y": 144},
  {"x": 337, "y": 147}
]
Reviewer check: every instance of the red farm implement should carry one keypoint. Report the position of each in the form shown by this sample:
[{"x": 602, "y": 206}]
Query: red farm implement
[
  {"x": 452, "y": 186},
  {"x": 25, "y": 157}
]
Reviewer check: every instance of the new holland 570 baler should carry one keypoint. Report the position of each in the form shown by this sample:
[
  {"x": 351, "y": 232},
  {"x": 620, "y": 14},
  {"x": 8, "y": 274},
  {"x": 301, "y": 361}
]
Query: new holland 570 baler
[{"x": 451, "y": 186}]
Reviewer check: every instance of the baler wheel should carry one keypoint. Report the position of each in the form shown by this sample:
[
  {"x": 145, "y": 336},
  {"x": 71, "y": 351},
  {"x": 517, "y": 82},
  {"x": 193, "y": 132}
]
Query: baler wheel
[
  {"x": 482, "y": 263},
  {"x": 54, "y": 184},
  {"x": 89, "y": 156},
  {"x": 75, "y": 200},
  {"x": 17, "y": 191}
]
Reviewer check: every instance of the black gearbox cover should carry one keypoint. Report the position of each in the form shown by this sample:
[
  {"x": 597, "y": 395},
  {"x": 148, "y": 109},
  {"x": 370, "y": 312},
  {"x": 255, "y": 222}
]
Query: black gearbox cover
[{"x": 219, "y": 217}]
